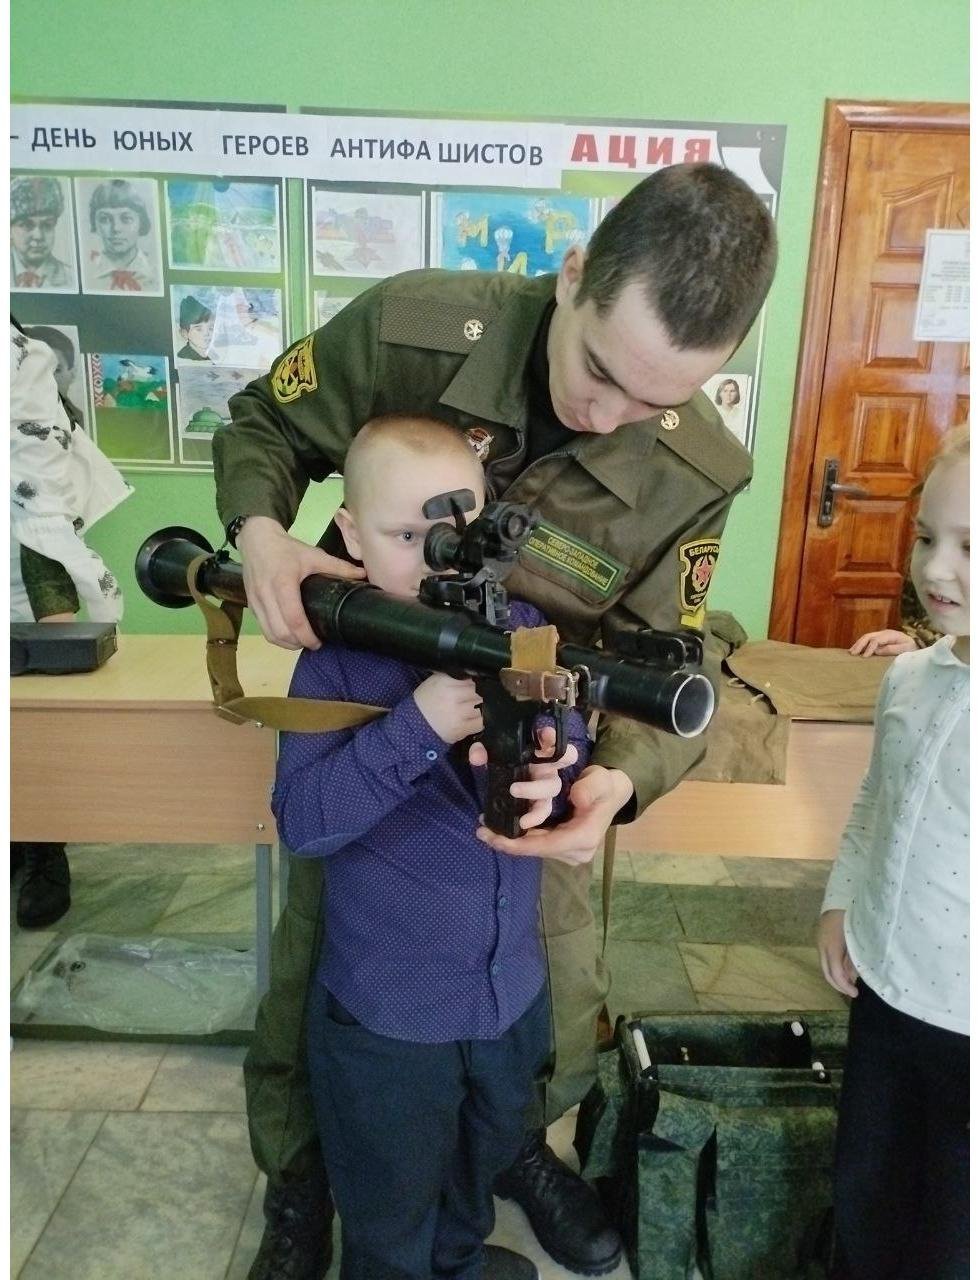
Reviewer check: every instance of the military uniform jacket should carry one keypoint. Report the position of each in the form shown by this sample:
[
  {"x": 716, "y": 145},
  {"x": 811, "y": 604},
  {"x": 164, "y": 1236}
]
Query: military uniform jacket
[{"x": 631, "y": 520}]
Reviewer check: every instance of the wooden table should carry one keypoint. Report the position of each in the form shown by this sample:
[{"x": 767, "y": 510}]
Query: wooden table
[{"x": 134, "y": 753}]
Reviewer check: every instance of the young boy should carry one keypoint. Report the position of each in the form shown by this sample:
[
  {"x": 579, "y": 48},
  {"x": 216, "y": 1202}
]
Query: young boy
[{"x": 428, "y": 1017}]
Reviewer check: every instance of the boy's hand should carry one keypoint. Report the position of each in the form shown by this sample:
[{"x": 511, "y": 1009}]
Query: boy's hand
[
  {"x": 883, "y": 644},
  {"x": 595, "y": 797},
  {"x": 273, "y": 566},
  {"x": 834, "y": 960},
  {"x": 544, "y": 783},
  {"x": 451, "y": 707}
]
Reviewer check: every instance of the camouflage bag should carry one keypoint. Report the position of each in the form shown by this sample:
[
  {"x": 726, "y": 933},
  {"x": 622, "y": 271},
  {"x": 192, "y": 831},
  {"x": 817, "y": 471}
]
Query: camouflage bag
[{"x": 710, "y": 1137}]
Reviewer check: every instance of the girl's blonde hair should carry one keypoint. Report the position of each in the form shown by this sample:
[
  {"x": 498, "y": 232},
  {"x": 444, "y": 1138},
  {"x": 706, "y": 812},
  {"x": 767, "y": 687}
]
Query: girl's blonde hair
[{"x": 956, "y": 444}]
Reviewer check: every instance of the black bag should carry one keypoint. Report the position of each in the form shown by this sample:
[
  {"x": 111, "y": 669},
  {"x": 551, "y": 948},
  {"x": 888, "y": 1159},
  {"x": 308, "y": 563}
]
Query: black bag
[{"x": 710, "y": 1137}]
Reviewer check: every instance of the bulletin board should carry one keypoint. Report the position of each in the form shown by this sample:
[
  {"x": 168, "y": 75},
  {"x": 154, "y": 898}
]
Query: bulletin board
[{"x": 154, "y": 246}]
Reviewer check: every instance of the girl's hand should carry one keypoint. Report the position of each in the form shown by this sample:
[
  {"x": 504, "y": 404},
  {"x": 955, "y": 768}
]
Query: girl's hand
[{"x": 832, "y": 949}]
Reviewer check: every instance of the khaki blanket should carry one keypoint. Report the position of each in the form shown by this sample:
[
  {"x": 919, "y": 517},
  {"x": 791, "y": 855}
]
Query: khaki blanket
[{"x": 770, "y": 684}]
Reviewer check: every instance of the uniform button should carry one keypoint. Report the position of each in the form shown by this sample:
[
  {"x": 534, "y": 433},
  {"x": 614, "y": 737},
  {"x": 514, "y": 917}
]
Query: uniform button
[
  {"x": 432, "y": 755},
  {"x": 495, "y": 968}
]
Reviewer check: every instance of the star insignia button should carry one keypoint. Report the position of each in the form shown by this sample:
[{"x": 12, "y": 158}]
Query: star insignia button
[
  {"x": 670, "y": 420},
  {"x": 473, "y": 330}
]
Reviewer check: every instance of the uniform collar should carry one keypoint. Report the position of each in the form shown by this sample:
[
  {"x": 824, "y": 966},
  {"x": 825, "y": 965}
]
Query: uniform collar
[
  {"x": 619, "y": 460},
  {"x": 491, "y": 383}
]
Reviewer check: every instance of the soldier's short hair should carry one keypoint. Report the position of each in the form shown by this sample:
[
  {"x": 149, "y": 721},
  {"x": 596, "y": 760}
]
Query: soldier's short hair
[
  {"x": 117, "y": 193},
  {"x": 700, "y": 242}
]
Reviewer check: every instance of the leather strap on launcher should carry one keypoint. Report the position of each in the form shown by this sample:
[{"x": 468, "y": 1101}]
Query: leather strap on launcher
[{"x": 298, "y": 715}]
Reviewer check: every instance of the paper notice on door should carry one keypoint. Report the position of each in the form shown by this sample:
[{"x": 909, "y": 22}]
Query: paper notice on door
[{"x": 942, "y": 313}]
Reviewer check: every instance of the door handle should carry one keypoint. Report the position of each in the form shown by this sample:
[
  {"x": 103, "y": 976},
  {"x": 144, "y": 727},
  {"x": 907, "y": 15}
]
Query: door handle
[{"x": 830, "y": 490}]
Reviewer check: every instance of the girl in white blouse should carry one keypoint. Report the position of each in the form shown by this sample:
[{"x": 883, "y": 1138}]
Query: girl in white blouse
[{"x": 894, "y": 933}]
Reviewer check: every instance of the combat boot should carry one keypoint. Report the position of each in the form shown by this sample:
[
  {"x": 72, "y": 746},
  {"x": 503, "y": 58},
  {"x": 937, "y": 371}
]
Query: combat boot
[
  {"x": 296, "y": 1243},
  {"x": 505, "y": 1264},
  {"x": 44, "y": 895},
  {"x": 563, "y": 1210}
]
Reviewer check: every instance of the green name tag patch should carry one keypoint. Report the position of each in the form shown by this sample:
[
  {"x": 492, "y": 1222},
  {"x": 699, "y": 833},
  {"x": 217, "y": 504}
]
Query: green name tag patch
[{"x": 580, "y": 560}]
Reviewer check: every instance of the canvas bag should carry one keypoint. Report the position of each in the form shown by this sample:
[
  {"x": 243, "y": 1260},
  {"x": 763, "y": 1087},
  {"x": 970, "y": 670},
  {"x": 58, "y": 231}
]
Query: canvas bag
[{"x": 721, "y": 1152}]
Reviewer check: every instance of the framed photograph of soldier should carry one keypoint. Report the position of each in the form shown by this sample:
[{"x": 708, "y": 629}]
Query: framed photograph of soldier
[
  {"x": 119, "y": 235},
  {"x": 229, "y": 326},
  {"x": 523, "y": 232},
  {"x": 69, "y": 372},
  {"x": 365, "y": 233},
  {"x": 42, "y": 235},
  {"x": 224, "y": 226},
  {"x": 131, "y": 406}
]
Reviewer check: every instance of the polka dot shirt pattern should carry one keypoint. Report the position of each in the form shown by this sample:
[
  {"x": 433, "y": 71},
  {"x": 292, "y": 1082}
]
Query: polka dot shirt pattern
[
  {"x": 430, "y": 935},
  {"x": 902, "y": 873}
]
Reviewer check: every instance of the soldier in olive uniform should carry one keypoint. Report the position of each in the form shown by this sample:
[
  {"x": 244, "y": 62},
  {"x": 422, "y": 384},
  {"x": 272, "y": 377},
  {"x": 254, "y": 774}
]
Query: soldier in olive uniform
[{"x": 580, "y": 393}]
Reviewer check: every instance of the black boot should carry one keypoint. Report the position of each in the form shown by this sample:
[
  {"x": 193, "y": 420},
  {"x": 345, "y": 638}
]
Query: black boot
[
  {"x": 296, "y": 1244},
  {"x": 44, "y": 892},
  {"x": 562, "y": 1209},
  {"x": 505, "y": 1264}
]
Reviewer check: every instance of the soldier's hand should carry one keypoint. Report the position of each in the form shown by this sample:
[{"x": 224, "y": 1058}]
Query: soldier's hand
[
  {"x": 832, "y": 948},
  {"x": 595, "y": 797},
  {"x": 545, "y": 782},
  {"x": 883, "y": 644},
  {"x": 274, "y": 565}
]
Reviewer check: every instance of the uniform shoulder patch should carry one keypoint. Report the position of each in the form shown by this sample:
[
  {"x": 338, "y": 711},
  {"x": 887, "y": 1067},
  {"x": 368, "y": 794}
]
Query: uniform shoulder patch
[
  {"x": 295, "y": 373},
  {"x": 697, "y": 564},
  {"x": 699, "y": 437},
  {"x": 432, "y": 324}
]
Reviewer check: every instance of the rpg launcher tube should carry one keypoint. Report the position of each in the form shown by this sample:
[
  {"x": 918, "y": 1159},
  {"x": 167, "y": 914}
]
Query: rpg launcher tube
[{"x": 679, "y": 701}]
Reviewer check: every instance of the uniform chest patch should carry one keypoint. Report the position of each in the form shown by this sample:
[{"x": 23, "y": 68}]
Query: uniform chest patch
[
  {"x": 295, "y": 373},
  {"x": 481, "y": 440},
  {"x": 580, "y": 560},
  {"x": 698, "y": 560}
]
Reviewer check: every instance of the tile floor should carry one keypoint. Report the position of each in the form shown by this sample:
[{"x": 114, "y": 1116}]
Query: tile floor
[{"x": 132, "y": 1160}]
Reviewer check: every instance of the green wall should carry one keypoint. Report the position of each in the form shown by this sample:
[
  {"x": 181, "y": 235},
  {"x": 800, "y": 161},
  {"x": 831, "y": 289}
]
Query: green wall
[{"x": 766, "y": 61}]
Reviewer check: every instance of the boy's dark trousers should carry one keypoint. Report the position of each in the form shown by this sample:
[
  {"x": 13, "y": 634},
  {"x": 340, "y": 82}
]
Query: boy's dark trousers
[
  {"x": 414, "y": 1136},
  {"x": 902, "y": 1180}
]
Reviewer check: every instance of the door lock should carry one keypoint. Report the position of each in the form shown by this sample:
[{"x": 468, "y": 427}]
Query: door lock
[{"x": 830, "y": 490}]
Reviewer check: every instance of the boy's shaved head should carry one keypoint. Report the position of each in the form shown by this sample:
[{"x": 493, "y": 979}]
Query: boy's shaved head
[{"x": 416, "y": 434}]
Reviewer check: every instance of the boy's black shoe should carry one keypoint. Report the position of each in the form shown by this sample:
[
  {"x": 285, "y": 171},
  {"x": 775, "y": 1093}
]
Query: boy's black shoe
[
  {"x": 505, "y": 1264},
  {"x": 44, "y": 895},
  {"x": 563, "y": 1210},
  {"x": 297, "y": 1243}
]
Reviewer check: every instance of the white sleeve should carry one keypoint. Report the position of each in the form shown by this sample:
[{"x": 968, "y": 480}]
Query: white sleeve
[{"x": 852, "y": 856}]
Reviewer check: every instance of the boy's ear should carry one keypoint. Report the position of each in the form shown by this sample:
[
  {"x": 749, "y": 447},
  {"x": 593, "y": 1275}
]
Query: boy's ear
[{"x": 348, "y": 531}]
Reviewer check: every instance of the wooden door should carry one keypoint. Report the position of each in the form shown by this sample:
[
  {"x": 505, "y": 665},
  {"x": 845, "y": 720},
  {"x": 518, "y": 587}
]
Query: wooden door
[{"x": 878, "y": 402}]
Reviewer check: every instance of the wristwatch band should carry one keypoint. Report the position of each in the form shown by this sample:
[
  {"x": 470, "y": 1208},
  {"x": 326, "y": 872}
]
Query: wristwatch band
[{"x": 234, "y": 529}]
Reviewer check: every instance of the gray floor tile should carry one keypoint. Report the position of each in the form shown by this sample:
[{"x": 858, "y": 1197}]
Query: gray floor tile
[
  {"x": 777, "y": 917},
  {"x": 156, "y": 1197},
  {"x": 681, "y": 868},
  {"x": 125, "y": 905},
  {"x": 640, "y": 912},
  {"x": 747, "y": 978},
  {"x": 622, "y": 865},
  {"x": 162, "y": 859},
  {"x": 46, "y": 1147},
  {"x": 779, "y": 873},
  {"x": 214, "y": 904},
  {"x": 64, "y": 1075},
  {"x": 647, "y": 977},
  {"x": 198, "y": 1078}
]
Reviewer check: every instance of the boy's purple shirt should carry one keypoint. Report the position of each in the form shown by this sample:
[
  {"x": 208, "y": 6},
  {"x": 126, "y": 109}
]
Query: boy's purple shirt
[{"x": 430, "y": 935}]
